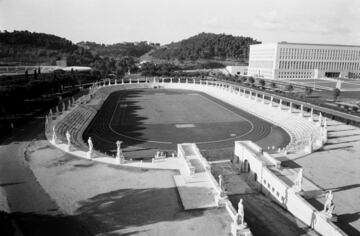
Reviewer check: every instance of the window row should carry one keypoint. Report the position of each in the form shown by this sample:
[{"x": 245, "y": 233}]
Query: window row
[
  {"x": 295, "y": 74},
  {"x": 321, "y": 65},
  {"x": 320, "y": 54}
]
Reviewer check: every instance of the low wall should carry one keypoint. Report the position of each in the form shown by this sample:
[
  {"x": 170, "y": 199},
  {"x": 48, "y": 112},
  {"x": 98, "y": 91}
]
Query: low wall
[{"x": 284, "y": 194}]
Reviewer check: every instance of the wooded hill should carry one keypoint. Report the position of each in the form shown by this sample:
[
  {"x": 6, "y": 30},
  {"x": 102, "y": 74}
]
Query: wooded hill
[
  {"x": 207, "y": 46},
  {"x": 119, "y": 49},
  {"x": 29, "y": 48}
]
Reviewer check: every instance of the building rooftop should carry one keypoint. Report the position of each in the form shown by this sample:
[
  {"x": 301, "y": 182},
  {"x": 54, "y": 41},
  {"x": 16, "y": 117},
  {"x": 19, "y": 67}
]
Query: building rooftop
[{"x": 319, "y": 44}]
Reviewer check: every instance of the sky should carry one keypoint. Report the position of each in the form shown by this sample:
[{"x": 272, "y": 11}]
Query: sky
[{"x": 165, "y": 21}]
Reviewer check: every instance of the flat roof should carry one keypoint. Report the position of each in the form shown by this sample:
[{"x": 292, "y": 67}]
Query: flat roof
[{"x": 319, "y": 44}]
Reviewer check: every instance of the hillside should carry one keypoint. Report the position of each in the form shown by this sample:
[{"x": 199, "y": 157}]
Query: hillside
[
  {"x": 207, "y": 46},
  {"x": 119, "y": 49},
  {"x": 30, "y": 48},
  {"x": 27, "y": 48}
]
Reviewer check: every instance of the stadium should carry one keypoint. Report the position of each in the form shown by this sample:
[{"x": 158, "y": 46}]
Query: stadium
[{"x": 199, "y": 127}]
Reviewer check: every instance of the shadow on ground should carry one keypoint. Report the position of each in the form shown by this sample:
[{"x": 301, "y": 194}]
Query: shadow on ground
[{"x": 125, "y": 208}]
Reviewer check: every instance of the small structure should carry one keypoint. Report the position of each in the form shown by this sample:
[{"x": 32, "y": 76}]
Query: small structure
[
  {"x": 338, "y": 84},
  {"x": 298, "y": 181},
  {"x": 301, "y": 110},
  {"x": 221, "y": 184},
  {"x": 53, "y": 139},
  {"x": 290, "y": 107},
  {"x": 311, "y": 118},
  {"x": 91, "y": 146},
  {"x": 119, "y": 155},
  {"x": 159, "y": 156},
  {"x": 309, "y": 146},
  {"x": 239, "y": 226},
  {"x": 329, "y": 205},
  {"x": 68, "y": 138}
]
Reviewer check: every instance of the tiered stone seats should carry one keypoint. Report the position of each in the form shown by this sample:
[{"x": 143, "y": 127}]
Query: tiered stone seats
[
  {"x": 74, "y": 122},
  {"x": 300, "y": 129}
]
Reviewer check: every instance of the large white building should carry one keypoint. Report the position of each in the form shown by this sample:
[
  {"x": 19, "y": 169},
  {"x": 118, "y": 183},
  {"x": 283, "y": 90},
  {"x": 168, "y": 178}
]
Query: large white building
[{"x": 303, "y": 61}]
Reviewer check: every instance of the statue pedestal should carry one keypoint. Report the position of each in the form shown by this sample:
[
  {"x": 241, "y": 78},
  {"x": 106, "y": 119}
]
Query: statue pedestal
[
  {"x": 240, "y": 230},
  {"x": 89, "y": 154},
  {"x": 296, "y": 188},
  {"x": 326, "y": 216},
  {"x": 119, "y": 160},
  {"x": 221, "y": 199},
  {"x": 308, "y": 149}
]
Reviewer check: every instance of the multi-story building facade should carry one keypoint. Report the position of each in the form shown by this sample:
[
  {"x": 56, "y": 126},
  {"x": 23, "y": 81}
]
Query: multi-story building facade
[{"x": 303, "y": 61}]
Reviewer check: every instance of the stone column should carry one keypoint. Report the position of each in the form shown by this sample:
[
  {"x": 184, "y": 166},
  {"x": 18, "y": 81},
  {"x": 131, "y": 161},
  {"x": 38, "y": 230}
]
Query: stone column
[
  {"x": 290, "y": 107},
  {"x": 187, "y": 80},
  {"x": 311, "y": 118},
  {"x": 138, "y": 81},
  {"x": 130, "y": 81},
  {"x": 301, "y": 110},
  {"x": 271, "y": 100},
  {"x": 122, "y": 81}
]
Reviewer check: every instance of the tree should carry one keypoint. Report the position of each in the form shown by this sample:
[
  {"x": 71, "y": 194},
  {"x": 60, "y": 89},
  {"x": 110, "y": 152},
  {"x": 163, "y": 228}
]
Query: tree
[
  {"x": 251, "y": 80},
  {"x": 289, "y": 87},
  {"x": 336, "y": 93},
  {"x": 262, "y": 83},
  {"x": 243, "y": 79},
  {"x": 273, "y": 85},
  {"x": 308, "y": 91}
]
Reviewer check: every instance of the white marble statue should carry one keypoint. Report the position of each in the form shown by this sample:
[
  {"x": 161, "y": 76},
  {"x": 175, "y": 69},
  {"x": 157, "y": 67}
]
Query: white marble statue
[
  {"x": 299, "y": 180},
  {"x": 329, "y": 204},
  {"x": 240, "y": 212},
  {"x": 68, "y": 138},
  {"x": 119, "y": 154},
  {"x": 91, "y": 147},
  {"x": 221, "y": 184},
  {"x": 53, "y": 140}
]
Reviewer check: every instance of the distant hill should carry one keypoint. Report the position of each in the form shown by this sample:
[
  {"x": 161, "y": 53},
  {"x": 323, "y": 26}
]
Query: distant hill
[
  {"x": 207, "y": 46},
  {"x": 119, "y": 49},
  {"x": 26, "y": 47}
]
